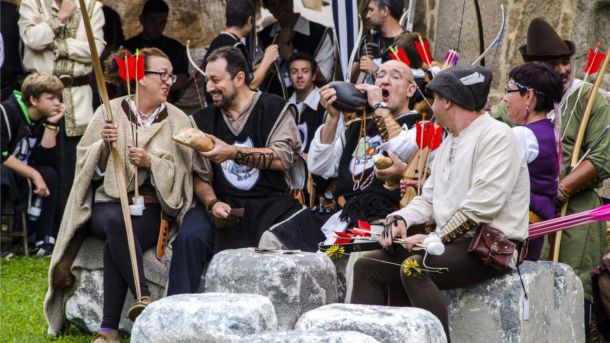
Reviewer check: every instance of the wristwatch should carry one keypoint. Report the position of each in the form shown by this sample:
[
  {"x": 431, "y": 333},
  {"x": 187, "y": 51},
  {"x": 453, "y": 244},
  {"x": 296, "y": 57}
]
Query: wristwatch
[{"x": 381, "y": 104}]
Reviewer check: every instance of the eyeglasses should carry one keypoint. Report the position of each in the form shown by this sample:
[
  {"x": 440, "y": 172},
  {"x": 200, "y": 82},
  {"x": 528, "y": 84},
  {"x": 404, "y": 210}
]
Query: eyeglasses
[
  {"x": 520, "y": 88},
  {"x": 165, "y": 76}
]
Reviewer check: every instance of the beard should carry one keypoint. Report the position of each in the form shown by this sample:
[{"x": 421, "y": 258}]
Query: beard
[{"x": 225, "y": 101}]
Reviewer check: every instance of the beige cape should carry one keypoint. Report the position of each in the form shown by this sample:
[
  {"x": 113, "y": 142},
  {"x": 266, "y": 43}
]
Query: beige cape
[{"x": 171, "y": 166}]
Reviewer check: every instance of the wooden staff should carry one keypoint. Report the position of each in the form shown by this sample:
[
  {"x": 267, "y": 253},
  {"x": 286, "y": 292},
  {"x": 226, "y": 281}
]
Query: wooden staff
[
  {"x": 116, "y": 158},
  {"x": 556, "y": 238}
]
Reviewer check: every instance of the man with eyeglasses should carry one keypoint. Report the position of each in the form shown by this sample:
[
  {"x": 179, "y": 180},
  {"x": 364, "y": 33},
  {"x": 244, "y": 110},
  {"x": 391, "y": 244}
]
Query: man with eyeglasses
[
  {"x": 581, "y": 247},
  {"x": 154, "y": 19},
  {"x": 242, "y": 183},
  {"x": 346, "y": 153}
]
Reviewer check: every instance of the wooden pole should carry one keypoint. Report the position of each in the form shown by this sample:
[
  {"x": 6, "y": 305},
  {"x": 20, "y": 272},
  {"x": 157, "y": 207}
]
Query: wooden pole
[
  {"x": 116, "y": 158},
  {"x": 556, "y": 239}
]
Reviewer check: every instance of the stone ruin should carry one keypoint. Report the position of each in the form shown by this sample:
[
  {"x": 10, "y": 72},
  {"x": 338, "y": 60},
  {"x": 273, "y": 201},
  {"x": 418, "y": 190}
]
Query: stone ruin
[{"x": 282, "y": 296}]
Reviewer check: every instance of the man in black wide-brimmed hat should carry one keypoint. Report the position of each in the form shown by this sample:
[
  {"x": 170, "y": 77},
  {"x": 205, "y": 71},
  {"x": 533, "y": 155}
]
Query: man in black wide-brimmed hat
[{"x": 583, "y": 247}]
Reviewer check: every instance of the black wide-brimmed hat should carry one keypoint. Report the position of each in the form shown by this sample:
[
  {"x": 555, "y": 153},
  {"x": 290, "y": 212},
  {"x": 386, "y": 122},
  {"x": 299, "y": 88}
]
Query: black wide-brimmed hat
[{"x": 544, "y": 44}]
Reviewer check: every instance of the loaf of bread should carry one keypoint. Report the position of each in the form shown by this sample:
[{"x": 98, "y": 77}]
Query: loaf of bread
[
  {"x": 382, "y": 162},
  {"x": 195, "y": 139}
]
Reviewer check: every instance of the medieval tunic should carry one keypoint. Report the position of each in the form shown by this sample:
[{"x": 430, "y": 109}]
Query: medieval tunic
[
  {"x": 310, "y": 116},
  {"x": 169, "y": 173},
  {"x": 583, "y": 246},
  {"x": 262, "y": 193},
  {"x": 475, "y": 172},
  {"x": 351, "y": 161},
  {"x": 308, "y": 37},
  {"x": 538, "y": 142},
  {"x": 62, "y": 49}
]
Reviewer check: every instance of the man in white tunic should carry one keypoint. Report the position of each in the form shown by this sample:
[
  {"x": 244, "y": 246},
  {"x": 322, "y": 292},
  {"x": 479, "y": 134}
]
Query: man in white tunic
[
  {"x": 479, "y": 179},
  {"x": 55, "y": 43}
]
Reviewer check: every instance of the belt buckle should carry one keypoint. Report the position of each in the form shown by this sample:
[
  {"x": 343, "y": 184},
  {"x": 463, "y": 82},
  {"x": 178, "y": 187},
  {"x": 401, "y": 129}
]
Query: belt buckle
[{"x": 67, "y": 80}]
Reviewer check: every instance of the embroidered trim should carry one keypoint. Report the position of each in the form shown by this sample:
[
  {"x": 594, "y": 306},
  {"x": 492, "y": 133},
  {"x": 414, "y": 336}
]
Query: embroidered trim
[{"x": 244, "y": 117}]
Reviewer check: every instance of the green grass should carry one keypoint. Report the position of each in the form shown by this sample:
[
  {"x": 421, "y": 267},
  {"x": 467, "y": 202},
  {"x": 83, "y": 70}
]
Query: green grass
[{"x": 23, "y": 284}]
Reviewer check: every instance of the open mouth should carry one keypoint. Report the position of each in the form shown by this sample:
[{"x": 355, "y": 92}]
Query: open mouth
[
  {"x": 216, "y": 96},
  {"x": 385, "y": 93}
]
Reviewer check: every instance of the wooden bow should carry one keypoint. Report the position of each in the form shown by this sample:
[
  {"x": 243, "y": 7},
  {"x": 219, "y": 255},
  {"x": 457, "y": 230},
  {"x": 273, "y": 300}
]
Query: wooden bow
[
  {"x": 117, "y": 162},
  {"x": 556, "y": 239},
  {"x": 496, "y": 42}
]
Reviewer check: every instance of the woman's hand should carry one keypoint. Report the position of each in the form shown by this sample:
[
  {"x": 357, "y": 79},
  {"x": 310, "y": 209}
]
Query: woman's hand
[
  {"x": 110, "y": 133},
  {"x": 138, "y": 157}
]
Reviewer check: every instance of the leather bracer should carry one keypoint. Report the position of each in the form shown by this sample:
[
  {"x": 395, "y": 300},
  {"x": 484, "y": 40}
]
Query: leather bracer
[
  {"x": 455, "y": 227},
  {"x": 581, "y": 177}
]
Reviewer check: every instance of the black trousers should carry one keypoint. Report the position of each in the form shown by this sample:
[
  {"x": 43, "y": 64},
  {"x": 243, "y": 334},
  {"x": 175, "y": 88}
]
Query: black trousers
[
  {"x": 16, "y": 189},
  {"x": 107, "y": 223},
  {"x": 66, "y": 166},
  {"x": 193, "y": 248},
  {"x": 374, "y": 280}
]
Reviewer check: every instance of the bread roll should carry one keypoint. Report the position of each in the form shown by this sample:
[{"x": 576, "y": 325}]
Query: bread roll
[
  {"x": 195, "y": 139},
  {"x": 382, "y": 162}
]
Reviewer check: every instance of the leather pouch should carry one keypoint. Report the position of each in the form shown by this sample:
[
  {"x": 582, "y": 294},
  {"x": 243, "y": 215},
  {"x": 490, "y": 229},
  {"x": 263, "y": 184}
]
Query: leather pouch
[{"x": 492, "y": 247}]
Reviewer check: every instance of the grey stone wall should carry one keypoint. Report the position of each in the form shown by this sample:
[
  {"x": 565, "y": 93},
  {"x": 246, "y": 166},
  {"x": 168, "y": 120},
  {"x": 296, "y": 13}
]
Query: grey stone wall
[{"x": 583, "y": 21}]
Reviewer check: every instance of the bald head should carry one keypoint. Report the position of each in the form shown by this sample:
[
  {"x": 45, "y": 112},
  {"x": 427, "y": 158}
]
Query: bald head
[{"x": 396, "y": 78}]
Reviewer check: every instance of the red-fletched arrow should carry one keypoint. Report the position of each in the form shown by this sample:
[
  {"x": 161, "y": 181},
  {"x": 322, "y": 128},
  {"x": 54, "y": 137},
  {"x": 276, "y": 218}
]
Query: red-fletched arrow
[
  {"x": 399, "y": 55},
  {"x": 362, "y": 224},
  {"x": 361, "y": 232},
  {"x": 594, "y": 61},
  {"x": 344, "y": 237},
  {"x": 428, "y": 135},
  {"x": 423, "y": 49},
  {"x": 130, "y": 67}
]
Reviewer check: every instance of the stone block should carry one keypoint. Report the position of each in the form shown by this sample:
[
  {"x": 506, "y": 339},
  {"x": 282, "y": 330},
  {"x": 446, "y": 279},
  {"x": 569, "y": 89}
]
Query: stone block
[
  {"x": 313, "y": 336},
  {"x": 208, "y": 317},
  {"x": 384, "y": 323},
  {"x": 493, "y": 310},
  {"x": 84, "y": 307},
  {"x": 294, "y": 282}
]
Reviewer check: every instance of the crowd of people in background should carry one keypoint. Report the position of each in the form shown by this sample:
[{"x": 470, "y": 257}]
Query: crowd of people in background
[{"x": 291, "y": 166}]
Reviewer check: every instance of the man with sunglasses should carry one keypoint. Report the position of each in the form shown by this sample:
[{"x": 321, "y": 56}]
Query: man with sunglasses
[
  {"x": 581, "y": 247},
  {"x": 242, "y": 183}
]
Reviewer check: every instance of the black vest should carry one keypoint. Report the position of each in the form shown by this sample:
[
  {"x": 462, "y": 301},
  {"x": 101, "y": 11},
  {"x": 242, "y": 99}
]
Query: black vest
[
  {"x": 230, "y": 178},
  {"x": 308, "y": 121},
  {"x": 302, "y": 43},
  {"x": 345, "y": 186}
]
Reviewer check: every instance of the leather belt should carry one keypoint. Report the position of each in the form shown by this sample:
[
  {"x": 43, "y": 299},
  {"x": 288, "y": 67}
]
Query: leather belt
[{"x": 76, "y": 81}]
